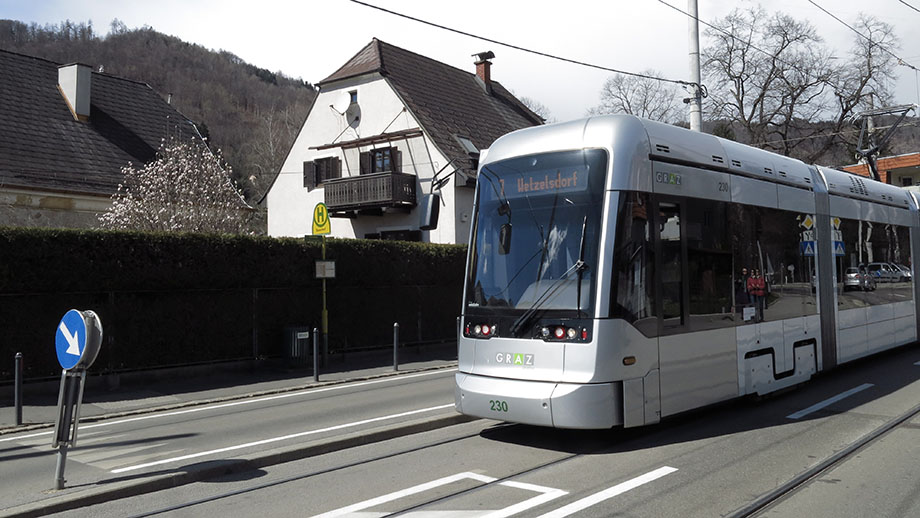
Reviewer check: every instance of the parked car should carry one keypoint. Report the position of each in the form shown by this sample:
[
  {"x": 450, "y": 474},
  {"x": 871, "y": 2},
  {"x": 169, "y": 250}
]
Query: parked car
[
  {"x": 858, "y": 279},
  {"x": 905, "y": 271},
  {"x": 884, "y": 272}
]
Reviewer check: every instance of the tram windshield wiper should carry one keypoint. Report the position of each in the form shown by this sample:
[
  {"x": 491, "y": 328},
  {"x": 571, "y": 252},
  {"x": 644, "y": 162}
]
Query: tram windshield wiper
[{"x": 547, "y": 294}]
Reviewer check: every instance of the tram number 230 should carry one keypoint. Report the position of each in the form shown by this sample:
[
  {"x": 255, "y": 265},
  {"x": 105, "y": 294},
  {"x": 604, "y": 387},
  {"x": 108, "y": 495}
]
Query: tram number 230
[{"x": 498, "y": 406}]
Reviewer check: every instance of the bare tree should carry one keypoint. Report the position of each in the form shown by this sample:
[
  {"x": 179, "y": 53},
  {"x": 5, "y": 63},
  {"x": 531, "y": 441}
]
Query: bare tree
[
  {"x": 770, "y": 75},
  {"x": 864, "y": 81},
  {"x": 537, "y": 107},
  {"x": 773, "y": 78},
  {"x": 187, "y": 188},
  {"x": 640, "y": 96}
]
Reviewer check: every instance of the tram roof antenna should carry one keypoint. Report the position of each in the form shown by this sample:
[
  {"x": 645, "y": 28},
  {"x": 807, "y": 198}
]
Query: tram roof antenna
[{"x": 869, "y": 151}]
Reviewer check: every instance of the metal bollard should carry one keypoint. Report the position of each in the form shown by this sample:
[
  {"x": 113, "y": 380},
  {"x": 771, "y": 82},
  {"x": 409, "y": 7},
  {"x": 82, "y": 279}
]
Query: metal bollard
[
  {"x": 17, "y": 396},
  {"x": 315, "y": 355},
  {"x": 395, "y": 346}
]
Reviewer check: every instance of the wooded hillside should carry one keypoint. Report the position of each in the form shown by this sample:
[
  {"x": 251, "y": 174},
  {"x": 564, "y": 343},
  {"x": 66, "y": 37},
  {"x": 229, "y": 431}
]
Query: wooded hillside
[{"x": 251, "y": 114}]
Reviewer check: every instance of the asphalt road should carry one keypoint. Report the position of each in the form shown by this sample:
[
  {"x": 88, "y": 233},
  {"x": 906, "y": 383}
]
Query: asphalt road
[
  {"x": 137, "y": 447},
  {"x": 715, "y": 462}
]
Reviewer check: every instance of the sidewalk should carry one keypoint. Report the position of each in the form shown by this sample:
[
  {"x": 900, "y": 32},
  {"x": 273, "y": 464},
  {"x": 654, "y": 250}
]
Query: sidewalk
[{"x": 137, "y": 393}]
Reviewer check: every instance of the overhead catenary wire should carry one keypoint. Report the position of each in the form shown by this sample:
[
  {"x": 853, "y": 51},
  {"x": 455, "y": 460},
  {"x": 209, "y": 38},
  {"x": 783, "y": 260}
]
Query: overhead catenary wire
[
  {"x": 524, "y": 49},
  {"x": 908, "y": 5}
]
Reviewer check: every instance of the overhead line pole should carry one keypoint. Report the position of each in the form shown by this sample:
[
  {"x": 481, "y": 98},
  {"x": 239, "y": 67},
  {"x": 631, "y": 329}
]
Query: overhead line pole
[{"x": 696, "y": 98}]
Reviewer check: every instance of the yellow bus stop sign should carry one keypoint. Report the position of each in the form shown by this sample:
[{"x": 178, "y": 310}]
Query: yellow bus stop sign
[{"x": 321, "y": 225}]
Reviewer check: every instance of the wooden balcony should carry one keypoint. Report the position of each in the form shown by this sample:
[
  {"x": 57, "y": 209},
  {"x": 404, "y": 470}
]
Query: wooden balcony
[{"x": 370, "y": 192}]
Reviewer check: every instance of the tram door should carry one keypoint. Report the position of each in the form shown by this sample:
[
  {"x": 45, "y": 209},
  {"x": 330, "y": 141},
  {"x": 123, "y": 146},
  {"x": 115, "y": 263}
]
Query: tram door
[
  {"x": 672, "y": 268},
  {"x": 697, "y": 352}
]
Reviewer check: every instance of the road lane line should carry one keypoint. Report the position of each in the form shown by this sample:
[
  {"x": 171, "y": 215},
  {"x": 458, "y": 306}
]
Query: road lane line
[
  {"x": 282, "y": 438},
  {"x": 608, "y": 493},
  {"x": 203, "y": 408},
  {"x": 828, "y": 402},
  {"x": 404, "y": 493}
]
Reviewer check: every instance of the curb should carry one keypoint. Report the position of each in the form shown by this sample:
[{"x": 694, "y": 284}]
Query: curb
[
  {"x": 126, "y": 489},
  {"x": 5, "y": 430}
]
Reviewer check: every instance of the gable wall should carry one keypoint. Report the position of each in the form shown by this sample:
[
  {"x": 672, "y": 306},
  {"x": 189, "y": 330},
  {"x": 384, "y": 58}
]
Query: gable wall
[{"x": 290, "y": 205}]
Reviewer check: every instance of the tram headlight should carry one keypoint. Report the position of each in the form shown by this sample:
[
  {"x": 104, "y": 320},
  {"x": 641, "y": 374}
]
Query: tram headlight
[
  {"x": 562, "y": 333},
  {"x": 481, "y": 330}
]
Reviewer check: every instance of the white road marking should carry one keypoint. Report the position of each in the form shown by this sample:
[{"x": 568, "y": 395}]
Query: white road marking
[
  {"x": 606, "y": 494},
  {"x": 404, "y": 493},
  {"x": 829, "y": 401},
  {"x": 548, "y": 494},
  {"x": 282, "y": 438},
  {"x": 203, "y": 408}
]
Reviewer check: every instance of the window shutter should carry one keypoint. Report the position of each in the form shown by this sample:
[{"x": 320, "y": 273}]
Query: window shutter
[
  {"x": 366, "y": 162},
  {"x": 336, "y": 171},
  {"x": 309, "y": 175},
  {"x": 396, "y": 160}
]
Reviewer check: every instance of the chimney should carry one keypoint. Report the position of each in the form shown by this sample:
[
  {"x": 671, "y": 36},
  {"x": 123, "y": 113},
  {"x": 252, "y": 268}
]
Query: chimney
[
  {"x": 74, "y": 81},
  {"x": 483, "y": 66}
]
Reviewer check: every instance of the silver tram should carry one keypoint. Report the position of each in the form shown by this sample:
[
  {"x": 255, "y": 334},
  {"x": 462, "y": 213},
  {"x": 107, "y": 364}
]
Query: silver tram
[{"x": 609, "y": 277}]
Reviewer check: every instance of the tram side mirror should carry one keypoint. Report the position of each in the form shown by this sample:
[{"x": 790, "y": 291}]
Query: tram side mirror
[
  {"x": 430, "y": 208},
  {"x": 504, "y": 239}
]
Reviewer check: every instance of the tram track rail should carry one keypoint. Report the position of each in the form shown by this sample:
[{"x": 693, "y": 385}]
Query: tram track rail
[{"x": 771, "y": 498}]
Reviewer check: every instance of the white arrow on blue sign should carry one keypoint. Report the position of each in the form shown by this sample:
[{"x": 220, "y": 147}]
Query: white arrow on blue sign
[{"x": 70, "y": 339}]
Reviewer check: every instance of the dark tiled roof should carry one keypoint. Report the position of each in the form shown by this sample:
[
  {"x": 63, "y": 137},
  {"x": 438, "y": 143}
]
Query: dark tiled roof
[
  {"x": 42, "y": 146},
  {"x": 446, "y": 101}
]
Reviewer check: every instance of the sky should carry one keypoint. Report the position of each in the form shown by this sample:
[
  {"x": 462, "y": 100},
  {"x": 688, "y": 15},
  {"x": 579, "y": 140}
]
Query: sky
[{"x": 310, "y": 39}]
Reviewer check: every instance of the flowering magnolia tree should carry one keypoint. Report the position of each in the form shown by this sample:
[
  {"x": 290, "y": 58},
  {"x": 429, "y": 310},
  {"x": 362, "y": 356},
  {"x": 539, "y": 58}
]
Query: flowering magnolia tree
[{"x": 187, "y": 189}]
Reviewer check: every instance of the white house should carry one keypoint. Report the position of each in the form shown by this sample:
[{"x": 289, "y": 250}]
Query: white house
[{"x": 386, "y": 131}]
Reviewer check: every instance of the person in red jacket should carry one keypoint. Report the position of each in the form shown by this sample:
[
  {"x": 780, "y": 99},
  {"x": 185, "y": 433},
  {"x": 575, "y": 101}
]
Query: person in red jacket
[{"x": 756, "y": 288}]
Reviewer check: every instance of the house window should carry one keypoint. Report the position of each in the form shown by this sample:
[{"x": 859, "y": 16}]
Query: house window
[
  {"x": 354, "y": 96},
  {"x": 380, "y": 160},
  {"x": 907, "y": 181}
]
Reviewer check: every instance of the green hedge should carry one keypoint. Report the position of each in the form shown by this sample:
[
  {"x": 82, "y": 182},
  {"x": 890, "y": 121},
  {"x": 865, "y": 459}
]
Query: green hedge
[{"x": 172, "y": 299}]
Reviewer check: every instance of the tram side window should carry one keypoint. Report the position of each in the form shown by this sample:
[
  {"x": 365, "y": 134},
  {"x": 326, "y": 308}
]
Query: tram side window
[
  {"x": 885, "y": 250},
  {"x": 857, "y": 283},
  {"x": 709, "y": 264},
  {"x": 773, "y": 264},
  {"x": 632, "y": 291}
]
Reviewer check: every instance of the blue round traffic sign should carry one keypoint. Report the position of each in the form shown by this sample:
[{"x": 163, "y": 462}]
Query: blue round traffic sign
[
  {"x": 70, "y": 339},
  {"x": 77, "y": 340}
]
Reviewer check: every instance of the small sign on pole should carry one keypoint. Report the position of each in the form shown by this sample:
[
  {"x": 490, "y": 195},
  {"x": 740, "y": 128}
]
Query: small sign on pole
[
  {"x": 325, "y": 269},
  {"x": 77, "y": 342}
]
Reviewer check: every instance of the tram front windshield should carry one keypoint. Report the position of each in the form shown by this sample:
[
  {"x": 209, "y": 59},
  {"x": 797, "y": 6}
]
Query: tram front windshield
[{"x": 535, "y": 238}]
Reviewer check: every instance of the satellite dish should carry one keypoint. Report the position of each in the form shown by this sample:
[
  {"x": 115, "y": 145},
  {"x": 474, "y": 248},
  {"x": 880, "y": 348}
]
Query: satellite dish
[
  {"x": 353, "y": 115},
  {"x": 341, "y": 102}
]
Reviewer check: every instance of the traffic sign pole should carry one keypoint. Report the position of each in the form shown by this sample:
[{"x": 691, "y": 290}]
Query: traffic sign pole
[
  {"x": 77, "y": 341},
  {"x": 325, "y": 313},
  {"x": 322, "y": 226}
]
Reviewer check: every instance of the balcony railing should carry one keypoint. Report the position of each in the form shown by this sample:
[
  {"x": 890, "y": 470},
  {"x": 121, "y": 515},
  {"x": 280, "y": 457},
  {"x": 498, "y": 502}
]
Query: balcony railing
[{"x": 370, "y": 191}]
